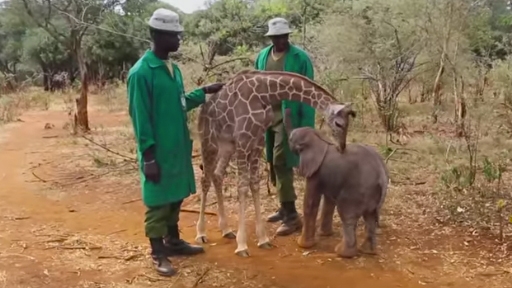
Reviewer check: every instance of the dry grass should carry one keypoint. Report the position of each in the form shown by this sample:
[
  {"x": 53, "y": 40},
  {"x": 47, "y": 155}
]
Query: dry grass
[
  {"x": 425, "y": 158},
  {"x": 14, "y": 104},
  {"x": 425, "y": 211}
]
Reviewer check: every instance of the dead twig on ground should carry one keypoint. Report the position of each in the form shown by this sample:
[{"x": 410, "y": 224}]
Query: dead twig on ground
[
  {"x": 186, "y": 210},
  {"x": 131, "y": 201},
  {"x": 155, "y": 279},
  {"x": 16, "y": 254},
  {"x": 110, "y": 150},
  {"x": 75, "y": 247},
  {"x": 390, "y": 154},
  {"x": 115, "y": 232},
  {"x": 201, "y": 277},
  {"x": 16, "y": 218},
  {"x": 38, "y": 178},
  {"x": 125, "y": 258}
]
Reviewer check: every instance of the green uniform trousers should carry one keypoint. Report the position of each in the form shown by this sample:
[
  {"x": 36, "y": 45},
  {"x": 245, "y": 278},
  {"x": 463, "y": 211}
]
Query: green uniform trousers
[
  {"x": 158, "y": 218},
  {"x": 281, "y": 175}
]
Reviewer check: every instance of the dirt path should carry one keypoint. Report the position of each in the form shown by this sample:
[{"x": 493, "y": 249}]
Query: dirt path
[{"x": 88, "y": 238}]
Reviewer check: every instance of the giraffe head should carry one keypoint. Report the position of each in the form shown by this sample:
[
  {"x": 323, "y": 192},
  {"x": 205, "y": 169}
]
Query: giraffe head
[{"x": 337, "y": 117}]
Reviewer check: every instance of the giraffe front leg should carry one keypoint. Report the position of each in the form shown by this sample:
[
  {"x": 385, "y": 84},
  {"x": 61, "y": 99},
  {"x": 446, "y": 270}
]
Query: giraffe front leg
[
  {"x": 261, "y": 233},
  {"x": 221, "y": 212},
  {"x": 205, "y": 187},
  {"x": 243, "y": 190}
]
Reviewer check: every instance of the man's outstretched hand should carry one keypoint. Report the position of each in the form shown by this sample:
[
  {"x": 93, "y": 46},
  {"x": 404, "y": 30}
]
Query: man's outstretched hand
[{"x": 213, "y": 88}]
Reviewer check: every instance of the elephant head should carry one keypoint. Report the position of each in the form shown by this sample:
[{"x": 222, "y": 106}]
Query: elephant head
[{"x": 309, "y": 144}]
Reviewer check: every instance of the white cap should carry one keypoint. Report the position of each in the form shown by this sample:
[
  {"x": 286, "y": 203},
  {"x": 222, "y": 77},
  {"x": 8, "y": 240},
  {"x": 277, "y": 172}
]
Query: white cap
[
  {"x": 166, "y": 20},
  {"x": 278, "y": 26}
]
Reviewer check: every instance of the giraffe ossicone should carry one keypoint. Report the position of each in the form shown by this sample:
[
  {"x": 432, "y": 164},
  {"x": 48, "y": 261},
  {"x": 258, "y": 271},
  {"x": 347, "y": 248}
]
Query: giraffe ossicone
[{"x": 233, "y": 123}]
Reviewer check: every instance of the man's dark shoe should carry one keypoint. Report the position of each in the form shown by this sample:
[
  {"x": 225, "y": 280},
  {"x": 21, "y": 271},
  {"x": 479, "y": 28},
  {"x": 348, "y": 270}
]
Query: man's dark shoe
[
  {"x": 291, "y": 220},
  {"x": 174, "y": 246},
  {"x": 291, "y": 224},
  {"x": 161, "y": 264},
  {"x": 181, "y": 248},
  {"x": 278, "y": 216}
]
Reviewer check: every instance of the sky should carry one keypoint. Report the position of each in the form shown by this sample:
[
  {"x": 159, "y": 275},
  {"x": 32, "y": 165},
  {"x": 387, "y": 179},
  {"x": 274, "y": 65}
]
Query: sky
[{"x": 187, "y": 6}]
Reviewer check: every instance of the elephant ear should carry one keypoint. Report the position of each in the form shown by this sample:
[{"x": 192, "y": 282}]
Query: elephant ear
[{"x": 313, "y": 156}]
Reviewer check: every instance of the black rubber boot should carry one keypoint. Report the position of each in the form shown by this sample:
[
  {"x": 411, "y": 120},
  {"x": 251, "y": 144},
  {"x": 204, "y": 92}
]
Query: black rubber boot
[
  {"x": 161, "y": 264},
  {"x": 174, "y": 246},
  {"x": 291, "y": 220},
  {"x": 277, "y": 216}
]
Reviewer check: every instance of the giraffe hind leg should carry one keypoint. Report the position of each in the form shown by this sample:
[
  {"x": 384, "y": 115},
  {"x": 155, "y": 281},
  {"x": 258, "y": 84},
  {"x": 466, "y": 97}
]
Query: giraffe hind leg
[
  {"x": 221, "y": 212},
  {"x": 243, "y": 190},
  {"x": 261, "y": 233}
]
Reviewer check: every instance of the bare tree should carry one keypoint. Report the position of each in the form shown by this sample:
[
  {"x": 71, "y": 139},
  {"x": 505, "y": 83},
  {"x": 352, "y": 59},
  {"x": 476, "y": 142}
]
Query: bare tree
[
  {"x": 67, "y": 21},
  {"x": 388, "y": 80}
]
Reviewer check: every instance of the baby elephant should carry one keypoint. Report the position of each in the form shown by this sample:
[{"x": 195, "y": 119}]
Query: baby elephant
[{"x": 352, "y": 178}]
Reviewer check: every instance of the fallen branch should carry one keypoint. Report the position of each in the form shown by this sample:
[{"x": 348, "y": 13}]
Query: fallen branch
[
  {"x": 79, "y": 247},
  {"x": 390, "y": 154},
  {"x": 154, "y": 279},
  {"x": 110, "y": 150},
  {"x": 201, "y": 277},
  {"x": 15, "y": 254},
  {"x": 16, "y": 218},
  {"x": 186, "y": 210},
  {"x": 131, "y": 201},
  {"x": 38, "y": 178}
]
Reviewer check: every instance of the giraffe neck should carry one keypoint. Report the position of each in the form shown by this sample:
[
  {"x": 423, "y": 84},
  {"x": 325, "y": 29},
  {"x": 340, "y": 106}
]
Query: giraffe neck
[{"x": 274, "y": 87}]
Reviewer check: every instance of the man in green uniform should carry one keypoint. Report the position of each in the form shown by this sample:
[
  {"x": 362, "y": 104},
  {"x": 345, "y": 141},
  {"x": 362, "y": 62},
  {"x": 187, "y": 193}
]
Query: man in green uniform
[
  {"x": 158, "y": 109},
  {"x": 283, "y": 56}
]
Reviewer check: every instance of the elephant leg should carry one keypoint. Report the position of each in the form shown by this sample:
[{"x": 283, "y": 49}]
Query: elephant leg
[
  {"x": 326, "y": 217},
  {"x": 348, "y": 246},
  {"x": 369, "y": 243},
  {"x": 310, "y": 209}
]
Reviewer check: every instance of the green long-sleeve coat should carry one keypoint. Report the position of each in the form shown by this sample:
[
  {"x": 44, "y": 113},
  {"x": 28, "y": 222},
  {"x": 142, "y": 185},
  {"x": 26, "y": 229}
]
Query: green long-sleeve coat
[
  {"x": 158, "y": 109},
  {"x": 302, "y": 115}
]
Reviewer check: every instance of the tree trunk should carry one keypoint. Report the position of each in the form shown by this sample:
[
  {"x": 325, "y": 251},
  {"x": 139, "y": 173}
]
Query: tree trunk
[
  {"x": 436, "y": 93},
  {"x": 81, "y": 116},
  {"x": 460, "y": 106}
]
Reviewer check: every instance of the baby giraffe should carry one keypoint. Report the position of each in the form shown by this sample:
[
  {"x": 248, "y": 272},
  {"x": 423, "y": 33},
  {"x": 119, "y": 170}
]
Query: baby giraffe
[{"x": 352, "y": 178}]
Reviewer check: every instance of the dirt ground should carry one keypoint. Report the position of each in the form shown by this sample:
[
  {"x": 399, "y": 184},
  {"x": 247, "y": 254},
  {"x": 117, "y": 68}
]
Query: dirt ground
[{"x": 68, "y": 220}]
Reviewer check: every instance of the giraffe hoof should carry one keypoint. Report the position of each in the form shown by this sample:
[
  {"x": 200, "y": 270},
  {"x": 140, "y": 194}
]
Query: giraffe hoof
[
  {"x": 266, "y": 245},
  {"x": 201, "y": 239},
  {"x": 229, "y": 235},
  {"x": 242, "y": 253}
]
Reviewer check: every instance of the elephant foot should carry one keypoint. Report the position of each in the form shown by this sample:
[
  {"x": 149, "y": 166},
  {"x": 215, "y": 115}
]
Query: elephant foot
[
  {"x": 345, "y": 252},
  {"x": 229, "y": 235},
  {"x": 326, "y": 232},
  {"x": 367, "y": 248},
  {"x": 304, "y": 242}
]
